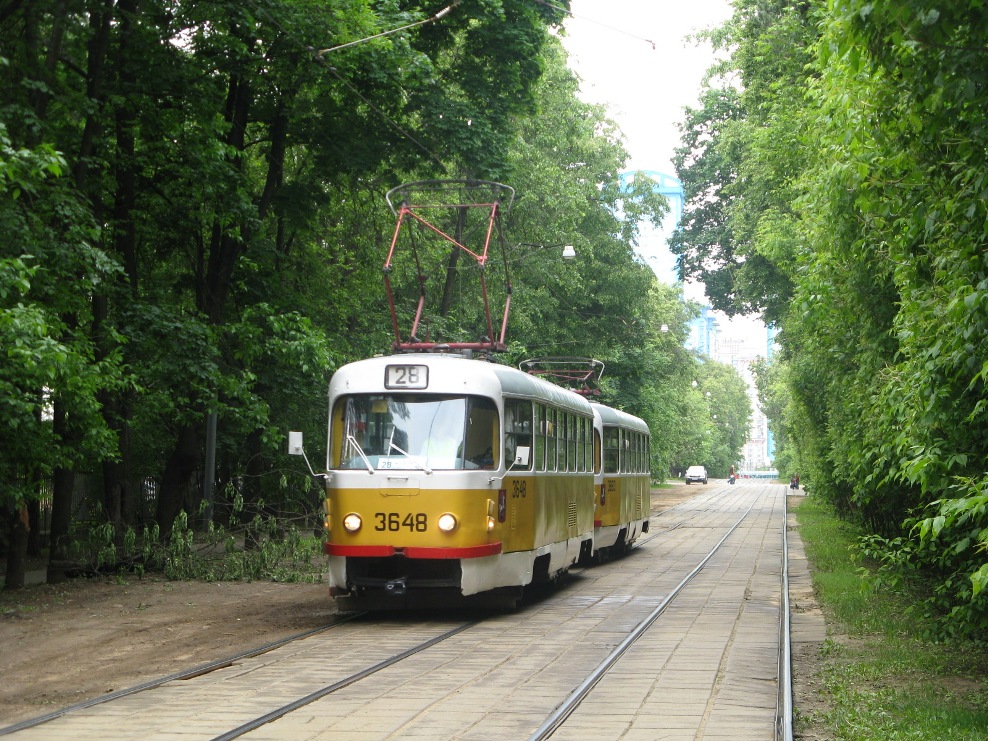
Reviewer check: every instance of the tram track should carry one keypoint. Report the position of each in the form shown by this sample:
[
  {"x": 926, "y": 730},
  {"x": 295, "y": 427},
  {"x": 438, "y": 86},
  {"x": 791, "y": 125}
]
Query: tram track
[
  {"x": 566, "y": 708},
  {"x": 783, "y": 724},
  {"x": 184, "y": 674},
  {"x": 558, "y": 635},
  {"x": 346, "y": 682}
]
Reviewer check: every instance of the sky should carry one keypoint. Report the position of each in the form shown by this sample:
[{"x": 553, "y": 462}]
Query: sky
[{"x": 646, "y": 89}]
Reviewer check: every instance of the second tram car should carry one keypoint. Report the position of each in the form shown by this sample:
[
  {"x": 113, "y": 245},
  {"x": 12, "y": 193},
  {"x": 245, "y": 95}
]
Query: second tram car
[
  {"x": 457, "y": 477},
  {"x": 622, "y": 480}
]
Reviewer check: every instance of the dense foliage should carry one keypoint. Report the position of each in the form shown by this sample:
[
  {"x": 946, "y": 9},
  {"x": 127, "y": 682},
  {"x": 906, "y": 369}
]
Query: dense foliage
[
  {"x": 191, "y": 195},
  {"x": 842, "y": 151}
]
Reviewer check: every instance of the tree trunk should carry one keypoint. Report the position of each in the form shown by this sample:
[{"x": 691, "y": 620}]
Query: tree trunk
[
  {"x": 17, "y": 549},
  {"x": 454, "y": 257},
  {"x": 34, "y": 528},
  {"x": 252, "y": 488},
  {"x": 63, "y": 480},
  {"x": 118, "y": 489},
  {"x": 225, "y": 247},
  {"x": 175, "y": 492}
]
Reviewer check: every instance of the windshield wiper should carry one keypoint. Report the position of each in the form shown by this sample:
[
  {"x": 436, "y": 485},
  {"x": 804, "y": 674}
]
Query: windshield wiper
[
  {"x": 414, "y": 462},
  {"x": 360, "y": 451}
]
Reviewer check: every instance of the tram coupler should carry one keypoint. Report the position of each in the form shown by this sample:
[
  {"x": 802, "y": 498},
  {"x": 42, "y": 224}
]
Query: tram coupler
[{"x": 396, "y": 587}]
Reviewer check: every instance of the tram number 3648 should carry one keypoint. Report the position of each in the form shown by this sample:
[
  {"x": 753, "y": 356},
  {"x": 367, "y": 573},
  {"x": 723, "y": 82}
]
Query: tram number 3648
[{"x": 393, "y": 522}]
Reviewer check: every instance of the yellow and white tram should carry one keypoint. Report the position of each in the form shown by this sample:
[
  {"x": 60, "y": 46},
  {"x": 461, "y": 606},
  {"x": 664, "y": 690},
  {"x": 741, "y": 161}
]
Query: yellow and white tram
[
  {"x": 459, "y": 477},
  {"x": 621, "y": 482}
]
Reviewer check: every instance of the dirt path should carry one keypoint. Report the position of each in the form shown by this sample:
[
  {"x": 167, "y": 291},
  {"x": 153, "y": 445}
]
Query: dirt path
[{"x": 66, "y": 643}]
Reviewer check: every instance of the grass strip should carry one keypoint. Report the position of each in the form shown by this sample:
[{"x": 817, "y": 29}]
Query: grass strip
[{"x": 881, "y": 674}]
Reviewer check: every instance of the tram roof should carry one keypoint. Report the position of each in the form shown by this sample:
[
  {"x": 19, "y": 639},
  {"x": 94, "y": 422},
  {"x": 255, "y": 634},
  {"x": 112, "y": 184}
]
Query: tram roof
[
  {"x": 615, "y": 417},
  {"x": 451, "y": 373}
]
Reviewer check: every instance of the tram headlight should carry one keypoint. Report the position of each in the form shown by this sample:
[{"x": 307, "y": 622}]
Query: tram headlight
[
  {"x": 447, "y": 523},
  {"x": 352, "y": 522}
]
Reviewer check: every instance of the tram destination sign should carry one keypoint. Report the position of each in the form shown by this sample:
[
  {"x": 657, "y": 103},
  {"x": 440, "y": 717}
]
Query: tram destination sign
[{"x": 406, "y": 377}]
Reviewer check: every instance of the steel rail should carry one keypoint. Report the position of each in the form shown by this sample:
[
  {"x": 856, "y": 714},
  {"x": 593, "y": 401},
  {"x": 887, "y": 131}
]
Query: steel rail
[
  {"x": 566, "y": 708},
  {"x": 329, "y": 689},
  {"x": 783, "y": 709},
  {"x": 185, "y": 674}
]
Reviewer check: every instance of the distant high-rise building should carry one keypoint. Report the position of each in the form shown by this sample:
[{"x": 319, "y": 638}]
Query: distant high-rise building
[
  {"x": 653, "y": 243},
  {"x": 703, "y": 332}
]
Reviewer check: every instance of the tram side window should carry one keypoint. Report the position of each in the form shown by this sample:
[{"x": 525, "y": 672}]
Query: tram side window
[
  {"x": 517, "y": 430},
  {"x": 574, "y": 433},
  {"x": 581, "y": 436},
  {"x": 596, "y": 451},
  {"x": 588, "y": 445},
  {"x": 539, "y": 437},
  {"x": 571, "y": 420},
  {"x": 562, "y": 431},
  {"x": 550, "y": 439},
  {"x": 612, "y": 450}
]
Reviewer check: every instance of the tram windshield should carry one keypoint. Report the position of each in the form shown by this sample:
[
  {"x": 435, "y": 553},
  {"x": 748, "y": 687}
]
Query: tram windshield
[{"x": 414, "y": 431}]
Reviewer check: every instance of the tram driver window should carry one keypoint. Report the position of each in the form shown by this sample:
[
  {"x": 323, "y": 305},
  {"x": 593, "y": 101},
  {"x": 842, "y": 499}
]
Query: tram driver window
[
  {"x": 517, "y": 429},
  {"x": 482, "y": 434}
]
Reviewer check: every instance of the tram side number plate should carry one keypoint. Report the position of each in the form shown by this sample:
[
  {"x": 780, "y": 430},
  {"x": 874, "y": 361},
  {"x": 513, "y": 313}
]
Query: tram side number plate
[{"x": 406, "y": 377}]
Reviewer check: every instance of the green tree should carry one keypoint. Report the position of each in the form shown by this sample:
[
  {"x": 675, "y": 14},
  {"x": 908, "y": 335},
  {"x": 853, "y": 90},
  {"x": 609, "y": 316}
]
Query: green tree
[
  {"x": 849, "y": 175},
  {"x": 741, "y": 160},
  {"x": 48, "y": 270}
]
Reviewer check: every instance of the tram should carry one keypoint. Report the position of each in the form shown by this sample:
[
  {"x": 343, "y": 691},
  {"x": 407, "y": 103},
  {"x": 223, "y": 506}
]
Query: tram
[
  {"x": 450, "y": 477},
  {"x": 622, "y": 481}
]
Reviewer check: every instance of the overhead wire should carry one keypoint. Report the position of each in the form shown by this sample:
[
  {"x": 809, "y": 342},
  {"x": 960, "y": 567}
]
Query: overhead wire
[
  {"x": 318, "y": 56},
  {"x": 390, "y": 121},
  {"x": 431, "y": 19},
  {"x": 571, "y": 14}
]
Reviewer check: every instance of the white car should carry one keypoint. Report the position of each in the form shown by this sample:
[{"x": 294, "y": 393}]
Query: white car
[{"x": 697, "y": 474}]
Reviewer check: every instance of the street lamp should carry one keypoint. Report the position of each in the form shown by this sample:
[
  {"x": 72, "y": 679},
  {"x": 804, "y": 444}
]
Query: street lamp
[{"x": 569, "y": 252}]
